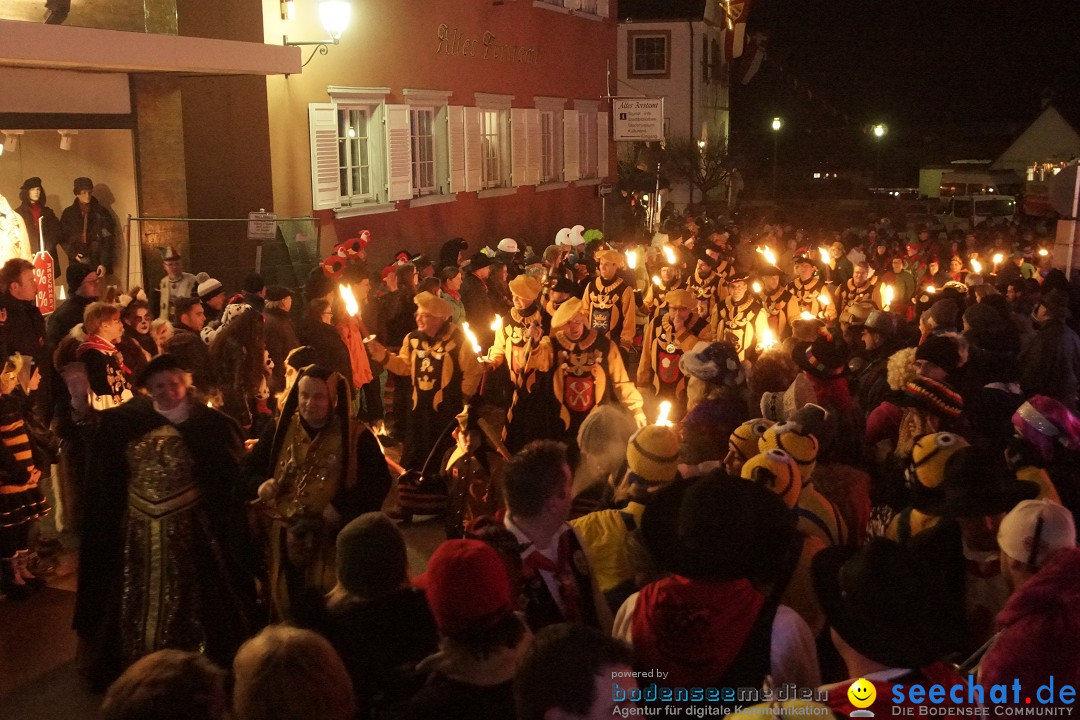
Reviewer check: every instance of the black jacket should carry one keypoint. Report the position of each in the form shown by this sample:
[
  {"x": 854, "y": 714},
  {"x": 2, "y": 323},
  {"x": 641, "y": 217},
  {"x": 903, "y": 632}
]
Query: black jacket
[
  {"x": 330, "y": 349},
  {"x": 101, "y": 231},
  {"x": 192, "y": 354},
  {"x": 24, "y": 329},
  {"x": 50, "y": 228},
  {"x": 66, "y": 317}
]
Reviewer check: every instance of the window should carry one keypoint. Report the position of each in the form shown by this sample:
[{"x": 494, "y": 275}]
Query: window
[
  {"x": 587, "y": 146},
  {"x": 354, "y": 155},
  {"x": 422, "y": 135},
  {"x": 650, "y": 54},
  {"x": 549, "y": 167},
  {"x": 549, "y": 145},
  {"x": 491, "y": 150}
]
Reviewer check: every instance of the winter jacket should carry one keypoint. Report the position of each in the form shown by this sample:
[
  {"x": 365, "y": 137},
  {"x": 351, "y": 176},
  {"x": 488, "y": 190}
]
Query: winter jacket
[
  {"x": 1050, "y": 365},
  {"x": 100, "y": 243}
]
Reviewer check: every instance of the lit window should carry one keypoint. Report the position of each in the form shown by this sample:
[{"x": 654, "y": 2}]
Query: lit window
[
  {"x": 354, "y": 155},
  {"x": 491, "y": 138}
]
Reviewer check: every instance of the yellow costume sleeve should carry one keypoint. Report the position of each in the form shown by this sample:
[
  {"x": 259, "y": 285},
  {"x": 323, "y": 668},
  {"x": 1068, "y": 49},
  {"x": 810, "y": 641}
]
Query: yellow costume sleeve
[
  {"x": 471, "y": 369},
  {"x": 644, "y": 368},
  {"x": 624, "y": 389},
  {"x": 401, "y": 364},
  {"x": 629, "y": 313}
]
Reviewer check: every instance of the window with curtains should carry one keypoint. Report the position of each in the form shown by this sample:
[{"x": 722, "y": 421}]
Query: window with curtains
[
  {"x": 491, "y": 148},
  {"x": 422, "y": 135},
  {"x": 354, "y": 155}
]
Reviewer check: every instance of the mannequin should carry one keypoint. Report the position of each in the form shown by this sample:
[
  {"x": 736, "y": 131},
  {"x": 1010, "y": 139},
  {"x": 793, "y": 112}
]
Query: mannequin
[
  {"x": 89, "y": 229},
  {"x": 14, "y": 242},
  {"x": 33, "y": 209}
]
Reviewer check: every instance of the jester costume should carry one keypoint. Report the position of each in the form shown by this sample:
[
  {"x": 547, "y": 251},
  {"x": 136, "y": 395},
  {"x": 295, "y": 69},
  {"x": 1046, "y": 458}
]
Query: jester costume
[
  {"x": 848, "y": 294},
  {"x": 610, "y": 309},
  {"x": 164, "y": 559},
  {"x": 531, "y": 413},
  {"x": 586, "y": 373},
  {"x": 339, "y": 464},
  {"x": 444, "y": 372},
  {"x": 739, "y": 323},
  {"x": 660, "y": 353},
  {"x": 774, "y": 310},
  {"x": 705, "y": 291},
  {"x": 805, "y": 298}
]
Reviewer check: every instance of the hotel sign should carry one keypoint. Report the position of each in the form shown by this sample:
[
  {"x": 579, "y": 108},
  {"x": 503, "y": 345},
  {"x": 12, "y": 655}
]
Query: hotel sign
[
  {"x": 637, "y": 119},
  {"x": 452, "y": 41}
]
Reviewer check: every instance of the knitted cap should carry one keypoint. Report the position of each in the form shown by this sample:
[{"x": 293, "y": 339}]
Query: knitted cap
[
  {"x": 371, "y": 556},
  {"x": 466, "y": 586},
  {"x": 1045, "y": 422},
  {"x": 928, "y": 458},
  {"x": 983, "y": 318},
  {"x": 824, "y": 358},
  {"x": 777, "y": 471},
  {"x": 746, "y": 438},
  {"x": 209, "y": 288},
  {"x": 933, "y": 396},
  {"x": 800, "y": 445},
  {"x": 653, "y": 453},
  {"x": 1034, "y": 530},
  {"x": 940, "y": 350},
  {"x": 526, "y": 287}
]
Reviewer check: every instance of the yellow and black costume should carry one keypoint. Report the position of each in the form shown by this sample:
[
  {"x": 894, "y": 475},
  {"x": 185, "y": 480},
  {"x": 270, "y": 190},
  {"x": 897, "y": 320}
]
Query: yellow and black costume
[
  {"x": 610, "y": 309},
  {"x": 662, "y": 349}
]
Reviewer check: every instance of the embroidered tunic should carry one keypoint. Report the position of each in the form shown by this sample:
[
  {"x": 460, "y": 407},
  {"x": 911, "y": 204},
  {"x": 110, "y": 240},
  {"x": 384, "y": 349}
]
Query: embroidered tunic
[
  {"x": 610, "y": 309},
  {"x": 738, "y": 324},
  {"x": 805, "y": 297},
  {"x": 660, "y": 354}
]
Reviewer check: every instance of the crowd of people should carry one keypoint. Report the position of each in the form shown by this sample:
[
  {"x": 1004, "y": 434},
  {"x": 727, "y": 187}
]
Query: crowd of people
[{"x": 716, "y": 457}]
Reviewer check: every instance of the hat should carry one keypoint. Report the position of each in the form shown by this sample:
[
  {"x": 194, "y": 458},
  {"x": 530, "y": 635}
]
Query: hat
[
  {"x": 563, "y": 237},
  {"x": 796, "y": 442},
  {"x": 253, "y": 283},
  {"x": 932, "y": 396},
  {"x": 940, "y": 350},
  {"x": 818, "y": 422},
  {"x": 881, "y": 322},
  {"x": 75, "y": 274},
  {"x": 680, "y": 298},
  {"x": 702, "y": 256},
  {"x": 433, "y": 305},
  {"x": 1044, "y": 422},
  {"x": 767, "y": 269},
  {"x": 928, "y": 458},
  {"x": 577, "y": 236},
  {"x": 162, "y": 363},
  {"x": 478, "y": 261},
  {"x": 781, "y": 406},
  {"x": 717, "y": 363},
  {"x": 976, "y": 484},
  {"x": 983, "y": 318},
  {"x": 612, "y": 256},
  {"x": 737, "y": 277},
  {"x": 564, "y": 284},
  {"x": 209, "y": 288},
  {"x": 823, "y": 358},
  {"x": 508, "y": 245},
  {"x": 653, "y": 453},
  {"x": 466, "y": 586},
  {"x": 1036, "y": 529},
  {"x": 566, "y": 312},
  {"x": 170, "y": 253},
  {"x": 943, "y": 314},
  {"x": 806, "y": 329},
  {"x": 1056, "y": 304},
  {"x": 525, "y": 286},
  {"x": 777, "y": 471},
  {"x": 856, "y": 313},
  {"x": 371, "y": 556},
  {"x": 82, "y": 184},
  {"x": 801, "y": 257},
  {"x": 275, "y": 293},
  {"x": 745, "y": 439},
  {"x": 884, "y": 602},
  {"x": 32, "y": 182}
]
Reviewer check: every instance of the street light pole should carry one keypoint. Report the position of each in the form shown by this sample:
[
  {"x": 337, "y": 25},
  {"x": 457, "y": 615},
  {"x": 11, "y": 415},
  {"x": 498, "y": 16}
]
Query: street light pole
[
  {"x": 879, "y": 132},
  {"x": 777, "y": 123}
]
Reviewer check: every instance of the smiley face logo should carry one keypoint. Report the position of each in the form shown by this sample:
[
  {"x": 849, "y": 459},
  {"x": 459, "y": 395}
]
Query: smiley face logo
[{"x": 862, "y": 693}]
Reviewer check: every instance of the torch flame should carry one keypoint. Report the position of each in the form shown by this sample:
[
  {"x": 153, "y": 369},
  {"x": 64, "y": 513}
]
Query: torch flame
[
  {"x": 497, "y": 323},
  {"x": 1043, "y": 252},
  {"x": 631, "y": 259},
  {"x": 823, "y": 299},
  {"x": 931, "y": 289},
  {"x": 770, "y": 256},
  {"x": 976, "y": 266},
  {"x": 886, "y": 297},
  {"x": 472, "y": 337},
  {"x": 351, "y": 306},
  {"x": 767, "y": 339},
  {"x": 824, "y": 253},
  {"x": 669, "y": 255},
  {"x": 756, "y": 287},
  {"x": 656, "y": 281},
  {"x": 998, "y": 259},
  {"x": 806, "y": 315},
  {"x": 664, "y": 412}
]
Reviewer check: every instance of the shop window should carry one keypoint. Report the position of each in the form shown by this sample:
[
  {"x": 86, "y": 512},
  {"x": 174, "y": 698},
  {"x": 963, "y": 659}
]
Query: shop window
[{"x": 650, "y": 54}]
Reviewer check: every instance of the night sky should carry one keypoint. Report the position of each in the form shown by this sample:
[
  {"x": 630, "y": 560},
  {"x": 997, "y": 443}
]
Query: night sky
[{"x": 974, "y": 68}]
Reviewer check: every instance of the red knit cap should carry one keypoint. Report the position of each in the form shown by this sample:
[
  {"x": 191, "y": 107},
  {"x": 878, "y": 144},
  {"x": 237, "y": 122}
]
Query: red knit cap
[{"x": 466, "y": 585}]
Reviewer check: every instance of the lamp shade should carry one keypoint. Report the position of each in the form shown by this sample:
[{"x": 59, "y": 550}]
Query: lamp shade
[{"x": 334, "y": 15}]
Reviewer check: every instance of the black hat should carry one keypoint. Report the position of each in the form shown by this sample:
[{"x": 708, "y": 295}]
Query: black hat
[
  {"x": 33, "y": 182},
  {"x": 706, "y": 258},
  {"x": 942, "y": 351},
  {"x": 76, "y": 273},
  {"x": 976, "y": 484},
  {"x": 737, "y": 276},
  {"x": 300, "y": 357},
  {"x": 823, "y": 358},
  {"x": 161, "y": 363},
  {"x": 371, "y": 556},
  {"x": 253, "y": 283},
  {"x": 564, "y": 284},
  {"x": 885, "y": 601},
  {"x": 82, "y": 183},
  {"x": 479, "y": 261},
  {"x": 277, "y": 293}
]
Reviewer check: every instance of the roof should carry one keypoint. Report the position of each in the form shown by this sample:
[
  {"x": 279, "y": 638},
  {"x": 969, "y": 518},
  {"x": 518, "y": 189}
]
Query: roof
[{"x": 643, "y": 10}]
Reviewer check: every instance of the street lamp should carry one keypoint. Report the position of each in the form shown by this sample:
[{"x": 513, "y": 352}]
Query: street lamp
[
  {"x": 334, "y": 16},
  {"x": 879, "y": 131},
  {"x": 777, "y": 123}
]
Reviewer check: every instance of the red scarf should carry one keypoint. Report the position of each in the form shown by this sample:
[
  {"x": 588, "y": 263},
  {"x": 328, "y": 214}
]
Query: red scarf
[
  {"x": 693, "y": 629},
  {"x": 96, "y": 342},
  {"x": 570, "y": 594}
]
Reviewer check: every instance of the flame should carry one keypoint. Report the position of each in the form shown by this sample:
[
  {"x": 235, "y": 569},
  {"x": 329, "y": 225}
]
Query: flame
[
  {"x": 656, "y": 281},
  {"x": 806, "y": 315},
  {"x": 976, "y": 266},
  {"x": 351, "y": 306},
  {"x": 1043, "y": 252},
  {"x": 823, "y": 299},
  {"x": 663, "y": 413},
  {"x": 472, "y": 337},
  {"x": 767, "y": 339},
  {"x": 887, "y": 295},
  {"x": 770, "y": 256},
  {"x": 931, "y": 289},
  {"x": 631, "y": 259},
  {"x": 824, "y": 253},
  {"x": 497, "y": 323},
  {"x": 209, "y": 404},
  {"x": 756, "y": 287},
  {"x": 669, "y": 255},
  {"x": 998, "y": 259}
]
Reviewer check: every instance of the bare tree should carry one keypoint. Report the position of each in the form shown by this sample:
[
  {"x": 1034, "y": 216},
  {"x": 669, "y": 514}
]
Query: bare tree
[{"x": 704, "y": 166}]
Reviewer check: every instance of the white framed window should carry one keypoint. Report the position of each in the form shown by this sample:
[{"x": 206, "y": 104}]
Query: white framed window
[
  {"x": 587, "y": 110},
  {"x": 649, "y": 53},
  {"x": 549, "y": 169},
  {"x": 549, "y": 144},
  {"x": 354, "y": 155},
  {"x": 491, "y": 149},
  {"x": 487, "y": 142},
  {"x": 422, "y": 139}
]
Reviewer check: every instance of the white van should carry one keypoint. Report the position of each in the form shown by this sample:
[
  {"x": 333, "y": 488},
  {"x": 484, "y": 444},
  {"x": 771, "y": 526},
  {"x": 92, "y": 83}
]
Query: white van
[
  {"x": 967, "y": 212},
  {"x": 956, "y": 183}
]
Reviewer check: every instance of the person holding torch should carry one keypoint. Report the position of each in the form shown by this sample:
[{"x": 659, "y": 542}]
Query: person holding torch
[{"x": 666, "y": 339}]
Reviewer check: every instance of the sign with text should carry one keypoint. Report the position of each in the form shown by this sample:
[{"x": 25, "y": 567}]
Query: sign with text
[
  {"x": 45, "y": 282},
  {"x": 638, "y": 119},
  {"x": 261, "y": 226}
]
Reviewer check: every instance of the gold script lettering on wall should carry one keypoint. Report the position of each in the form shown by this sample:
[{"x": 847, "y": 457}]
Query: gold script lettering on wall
[{"x": 453, "y": 42}]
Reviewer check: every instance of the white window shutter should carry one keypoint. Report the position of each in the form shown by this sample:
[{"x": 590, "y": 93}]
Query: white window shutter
[
  {"x": 322, "y": 131},
  {"x": 455, "y": 131},
  {"x": 602, "y": 137},
  {"x": 602, "y": 8},
  {"x": 398, "y": 153},
  {"x": 519, "y": 147},
  {"x": 532, "y": 173},
  {"x": 571, "y": 146},
  {"x": 474, "y": 155}
]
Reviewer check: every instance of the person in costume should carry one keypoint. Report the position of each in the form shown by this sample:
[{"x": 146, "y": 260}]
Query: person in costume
[
  {"x": 654, "y": 298},
  {"x": 809, "y": 292},
  {"x": 704, "y": 284},
  {"x": 587, "y": 370},
  {"x": 666, "y": 338},
  {"x": 516, "y": 344},
  {"x": 319, "y": 469},
  {"x": 739, "y": 318},
  {"x": 161, "y": 560},
  {"x": 774, "y": 297},
  {"x": 175, "y": 285},
  {"x": 858, "y": 288},
  {"x": 445, "y": 373},
  {"x": 105, "y": 369},
  {"x": 608, "y": 302}
]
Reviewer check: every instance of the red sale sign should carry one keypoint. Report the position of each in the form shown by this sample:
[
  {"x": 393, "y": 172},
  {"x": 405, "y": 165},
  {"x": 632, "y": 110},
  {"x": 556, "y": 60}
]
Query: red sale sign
[{"x": 45, "y": 282}]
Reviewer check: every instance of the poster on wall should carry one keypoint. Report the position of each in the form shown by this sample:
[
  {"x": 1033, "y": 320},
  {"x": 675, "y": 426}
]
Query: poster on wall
[
  {"x": 45, "y": 282},
  {"x": 638, "y": 119}
]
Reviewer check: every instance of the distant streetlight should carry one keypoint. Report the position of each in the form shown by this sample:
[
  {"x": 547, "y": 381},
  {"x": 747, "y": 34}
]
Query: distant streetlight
[
  {"x": 879, "y": 131},
  {"x": 777, "y": 123},
  {"x": 701, "y": 145}
]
